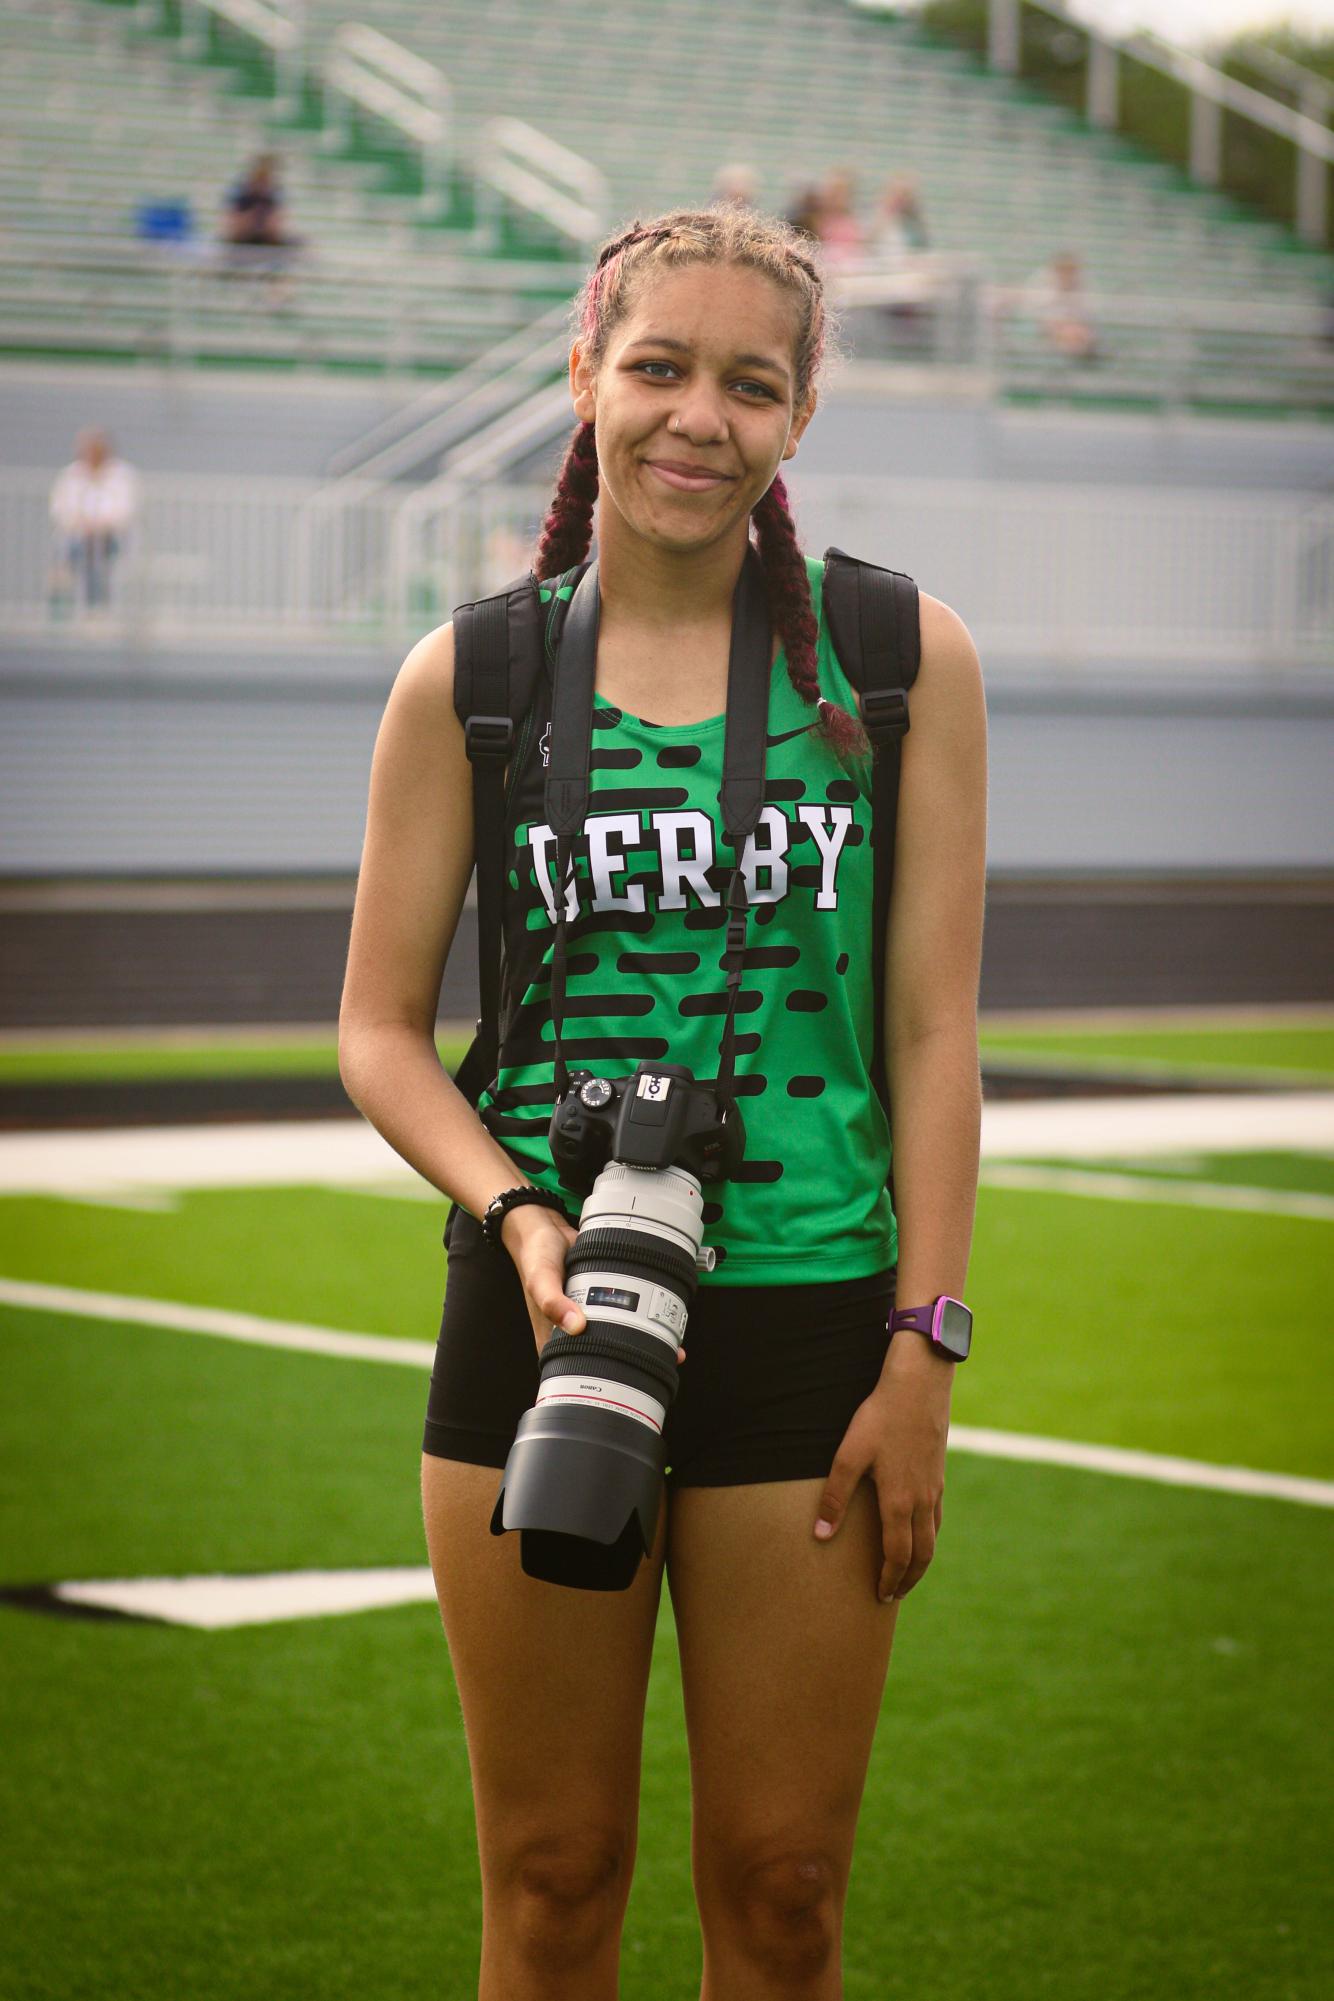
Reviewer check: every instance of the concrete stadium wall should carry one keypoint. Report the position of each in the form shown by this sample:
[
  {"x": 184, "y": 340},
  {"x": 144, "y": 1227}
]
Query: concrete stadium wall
[
  {"x": 869, "y": 422},
  {"x": 187, "y": 421},
  {"x": 176, "y": 763},
  {"x": 171, "y": 770}
]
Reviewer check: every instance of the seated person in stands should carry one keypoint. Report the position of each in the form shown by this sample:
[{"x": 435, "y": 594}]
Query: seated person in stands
[
  {"x": 254, "y": 210},
  {"x": 1055, "y": 296},
  {"x": 896, "y": 239}
]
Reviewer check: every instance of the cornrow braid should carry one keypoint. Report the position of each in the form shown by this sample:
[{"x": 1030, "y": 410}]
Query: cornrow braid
[
  {"x": 789, "y": 591},
  {"x": 636, "y": 233}
]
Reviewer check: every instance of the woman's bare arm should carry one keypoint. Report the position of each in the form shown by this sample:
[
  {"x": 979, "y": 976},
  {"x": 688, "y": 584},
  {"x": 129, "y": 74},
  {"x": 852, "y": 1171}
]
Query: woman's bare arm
[
  {"x": 415, "y": 868},
  {"x": 933, "y": 955},
  {"x": 933, "y": 964},
  {"x": 414, "y": 874}
]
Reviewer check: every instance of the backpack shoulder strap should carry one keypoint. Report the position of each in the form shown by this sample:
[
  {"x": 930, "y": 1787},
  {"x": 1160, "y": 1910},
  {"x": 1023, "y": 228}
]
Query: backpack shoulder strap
[
  {"x": 500, "y": 645},
  {"x": 873, "y": 619},
  {"x": 497, "y": 659},
  {"x": 874, "y": 622}
]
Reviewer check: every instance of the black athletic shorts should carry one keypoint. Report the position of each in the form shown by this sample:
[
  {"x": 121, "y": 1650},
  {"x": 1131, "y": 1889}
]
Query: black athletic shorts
[{"x": 772, "y": 1377}]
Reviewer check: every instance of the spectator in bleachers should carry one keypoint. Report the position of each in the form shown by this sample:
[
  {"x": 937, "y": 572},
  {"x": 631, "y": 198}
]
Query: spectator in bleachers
[
  {"x": 737, "y": 184},
  {"x": 93, "y": 505},
  {"x": 899, "y": 228},
  {"x": 896, "y": 240},
  {"x": 1055, "y": 297},
  {"x": 254, "y": 227},
  {"x": 840, "y": 233},
  {"x": 803, "y": 211},
  {"x": 254, "y": 213}
]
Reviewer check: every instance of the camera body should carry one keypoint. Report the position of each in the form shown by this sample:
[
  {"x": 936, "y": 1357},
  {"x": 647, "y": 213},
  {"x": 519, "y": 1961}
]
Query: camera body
[
  {"x": 657, "y": 1117},
  {"x": 583, "y": 1479}
]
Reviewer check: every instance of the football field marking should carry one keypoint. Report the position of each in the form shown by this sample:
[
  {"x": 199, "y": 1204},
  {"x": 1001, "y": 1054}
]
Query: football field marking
[
  {"x": 1146, "y": 1188},
  {"x": 212, "y": 1604},
  {"x": 349, "y": 1154},
  {"x": 249, "y": 1327},
  {"x": 227, "y": 1326}
]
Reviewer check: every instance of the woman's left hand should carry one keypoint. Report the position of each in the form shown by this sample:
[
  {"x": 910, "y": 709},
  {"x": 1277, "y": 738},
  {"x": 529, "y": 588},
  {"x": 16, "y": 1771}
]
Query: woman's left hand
[{"x": 897, "y": 1438}]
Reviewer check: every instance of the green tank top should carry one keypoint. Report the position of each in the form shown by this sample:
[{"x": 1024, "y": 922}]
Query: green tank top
[{"x": 646, "y": 969}]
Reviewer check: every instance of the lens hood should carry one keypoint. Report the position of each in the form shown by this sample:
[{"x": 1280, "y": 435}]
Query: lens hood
[{"x": 583, "y": 1487}]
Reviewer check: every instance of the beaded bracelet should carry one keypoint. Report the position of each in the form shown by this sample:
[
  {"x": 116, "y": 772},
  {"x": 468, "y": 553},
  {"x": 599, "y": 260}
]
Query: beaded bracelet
[{"x": 500, "y": 1205}]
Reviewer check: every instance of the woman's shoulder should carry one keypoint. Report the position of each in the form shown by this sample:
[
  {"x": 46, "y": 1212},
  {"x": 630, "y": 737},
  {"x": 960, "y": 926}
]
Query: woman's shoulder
[
  {"x": 948, "y": 698},
  {"x": 427, "y": 673},
  {"x": 421, "y": 701},
  {"x": 948, "y": 649}
]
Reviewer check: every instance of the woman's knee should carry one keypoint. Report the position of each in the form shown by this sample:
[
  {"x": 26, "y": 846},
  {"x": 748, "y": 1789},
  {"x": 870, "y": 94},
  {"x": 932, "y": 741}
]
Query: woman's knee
[
  {"x": 560, "y": 1896},
  {"x": 779, "y": 1901}
]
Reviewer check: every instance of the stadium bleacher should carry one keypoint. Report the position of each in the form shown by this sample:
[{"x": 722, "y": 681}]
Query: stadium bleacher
[
  {"x": 796, "y": 87},
  {"x": 103, "y": 111},
  {"x": 101, "y": 116}
]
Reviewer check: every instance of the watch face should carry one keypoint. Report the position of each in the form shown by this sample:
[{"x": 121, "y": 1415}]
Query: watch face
[{"x": 955, "y": 1332}]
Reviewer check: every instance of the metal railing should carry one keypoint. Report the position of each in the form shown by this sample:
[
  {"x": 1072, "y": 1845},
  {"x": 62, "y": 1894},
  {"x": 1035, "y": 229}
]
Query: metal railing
[
  {"x": 210, "y": 299},
  {"x": 535, "y": 173},
  {"x": 214, "y": 300},
  {"x": 1172, "y": 353},
  {"x": 1211, "y": 90},
  {"x": 448, "y": 411},
  {"x": 1056, "y": 582},
  {"x": 377, "y": 74},
  {"x": 279, "y": 26},
  {"x": 206, "y": 558}
]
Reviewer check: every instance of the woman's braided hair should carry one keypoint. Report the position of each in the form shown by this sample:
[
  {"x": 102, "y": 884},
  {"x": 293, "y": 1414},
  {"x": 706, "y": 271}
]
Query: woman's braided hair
[{"x": 725, "y": 234}]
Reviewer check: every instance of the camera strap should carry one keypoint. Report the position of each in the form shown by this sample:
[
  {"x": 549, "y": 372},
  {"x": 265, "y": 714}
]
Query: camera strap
[{"x": 749, "y": 672}]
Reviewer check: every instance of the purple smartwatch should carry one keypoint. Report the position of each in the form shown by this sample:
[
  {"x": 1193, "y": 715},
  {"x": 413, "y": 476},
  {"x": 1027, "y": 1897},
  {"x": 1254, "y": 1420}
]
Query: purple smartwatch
[{"x": 947, "y": 1324}]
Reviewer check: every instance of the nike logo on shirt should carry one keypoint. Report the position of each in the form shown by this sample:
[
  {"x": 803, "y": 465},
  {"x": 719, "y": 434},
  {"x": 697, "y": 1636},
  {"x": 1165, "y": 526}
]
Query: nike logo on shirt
[{"x": 770, "y": 741}]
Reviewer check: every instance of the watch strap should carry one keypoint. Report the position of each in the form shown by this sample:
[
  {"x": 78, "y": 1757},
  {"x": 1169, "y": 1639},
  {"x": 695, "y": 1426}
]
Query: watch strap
[
  {"x": 930, "y": 1321},
  {"x": 918, "y": 1317}
]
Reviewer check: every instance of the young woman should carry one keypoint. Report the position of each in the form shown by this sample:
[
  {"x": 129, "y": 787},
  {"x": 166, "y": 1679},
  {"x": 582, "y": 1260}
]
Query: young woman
[{"x": 806, "y": 1449}]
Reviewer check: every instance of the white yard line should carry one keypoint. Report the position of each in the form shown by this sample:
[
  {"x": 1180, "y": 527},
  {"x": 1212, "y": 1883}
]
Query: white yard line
[
  {"x": 214, "y": 1320},
  {"x": 1172, "y": 1472},
  {"x": 327, "y": 1153},
  {"x": 347, "y": 1153},
  {"x": 1145, "y": 1188},
  {"x": 214, "y": 1603},
  {"x": 1180, "y": 1122}
]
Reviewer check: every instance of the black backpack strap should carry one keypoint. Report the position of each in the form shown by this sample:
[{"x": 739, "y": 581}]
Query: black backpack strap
[
  {"x": 873, "y": 619},
  {"x": 498, "y": 652}
]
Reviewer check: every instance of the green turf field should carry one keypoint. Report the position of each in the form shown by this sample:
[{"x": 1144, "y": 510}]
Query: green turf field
[
  {"x": 1289, "y": 1054},
  {"x": 1103, "y": 1761},
  {"x": 180, "y": 1057},
  {"x": 1286, "y": 1055}
]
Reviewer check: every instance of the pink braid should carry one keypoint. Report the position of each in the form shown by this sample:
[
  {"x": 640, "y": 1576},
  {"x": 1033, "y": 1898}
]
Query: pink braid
[
  {"x": 568, "y": 529},
  {"x": 793, "y": 614}
]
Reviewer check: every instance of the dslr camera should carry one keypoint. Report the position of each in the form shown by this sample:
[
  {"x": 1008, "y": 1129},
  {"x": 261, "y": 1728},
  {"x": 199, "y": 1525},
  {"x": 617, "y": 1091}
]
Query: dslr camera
[{"x": 583, "y": 1479}]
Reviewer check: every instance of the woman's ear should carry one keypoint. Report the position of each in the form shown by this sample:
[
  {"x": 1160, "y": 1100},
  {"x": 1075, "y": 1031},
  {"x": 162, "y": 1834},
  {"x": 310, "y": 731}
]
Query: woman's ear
[
  {"x": 581, "y": 386},
  {"x": 800, "y": 419}
]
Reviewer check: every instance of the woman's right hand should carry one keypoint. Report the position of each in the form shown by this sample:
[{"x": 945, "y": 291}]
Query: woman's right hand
[{"x": 537, "y": 1239}]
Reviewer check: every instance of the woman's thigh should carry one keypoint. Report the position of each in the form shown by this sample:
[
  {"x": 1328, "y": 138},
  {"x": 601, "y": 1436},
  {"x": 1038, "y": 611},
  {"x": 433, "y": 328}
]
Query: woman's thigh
[
  {"x": 784, "y": 1651},
  {"x": 551, "y": 1682}
]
